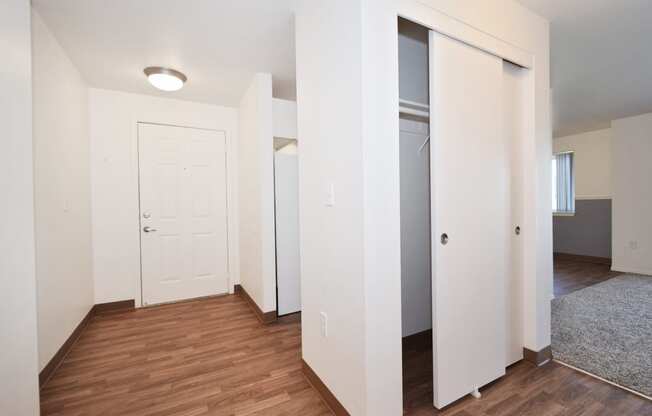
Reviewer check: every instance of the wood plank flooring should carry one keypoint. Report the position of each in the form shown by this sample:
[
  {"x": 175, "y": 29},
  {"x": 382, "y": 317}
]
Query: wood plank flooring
[
  {"x": 205, "y": 357},
  {"x": 213, "y": 357},
  {"x": 552, "y": 390},
  {"x": 572, "y": 275}
]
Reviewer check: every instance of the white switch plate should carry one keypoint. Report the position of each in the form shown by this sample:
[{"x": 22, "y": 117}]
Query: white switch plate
[
  {"x": 330, "y": 195},
  {"x": 324, "y": 324}
]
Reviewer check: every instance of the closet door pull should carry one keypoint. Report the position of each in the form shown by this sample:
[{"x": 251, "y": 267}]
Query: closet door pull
[{"x": 444, "y": 239}]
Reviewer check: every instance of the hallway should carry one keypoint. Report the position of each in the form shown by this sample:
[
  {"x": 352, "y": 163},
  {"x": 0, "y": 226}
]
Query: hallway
[{"x": 213, "y": 357}]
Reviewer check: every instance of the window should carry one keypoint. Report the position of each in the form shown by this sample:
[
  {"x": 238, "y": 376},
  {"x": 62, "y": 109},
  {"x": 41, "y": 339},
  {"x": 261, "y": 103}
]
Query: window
[{"x": 563, "y": 183}]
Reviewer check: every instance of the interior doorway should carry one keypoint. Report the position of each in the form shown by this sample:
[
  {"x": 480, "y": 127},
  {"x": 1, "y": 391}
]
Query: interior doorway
[
  {"x": 183, "y": 213},
  {"x": 286, "y": 212}
]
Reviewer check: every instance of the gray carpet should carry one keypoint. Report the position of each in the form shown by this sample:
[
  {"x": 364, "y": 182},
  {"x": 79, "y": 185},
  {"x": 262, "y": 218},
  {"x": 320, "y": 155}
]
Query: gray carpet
[{"x": 606, "y": 330}]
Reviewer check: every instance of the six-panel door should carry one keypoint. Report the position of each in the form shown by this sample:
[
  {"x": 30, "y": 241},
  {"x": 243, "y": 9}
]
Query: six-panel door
[{"x": 183, "y": 213}]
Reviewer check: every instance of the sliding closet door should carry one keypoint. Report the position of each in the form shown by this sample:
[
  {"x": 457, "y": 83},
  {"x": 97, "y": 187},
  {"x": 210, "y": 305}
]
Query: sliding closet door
[
  {"x": 514, "y": 103},
  {"x": 469, "y": 182}
]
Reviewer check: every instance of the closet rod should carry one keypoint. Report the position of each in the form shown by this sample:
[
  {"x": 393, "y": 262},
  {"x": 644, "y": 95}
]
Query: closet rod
[
  {"x": 413, "y": 108},
  {"x": 413, "y": 112},
  {"x": 408, "y": 103}
]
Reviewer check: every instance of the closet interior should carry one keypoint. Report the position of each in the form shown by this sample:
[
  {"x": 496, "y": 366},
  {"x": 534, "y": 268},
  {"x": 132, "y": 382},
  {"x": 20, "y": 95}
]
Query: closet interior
[{"x": 461, "y": 123}]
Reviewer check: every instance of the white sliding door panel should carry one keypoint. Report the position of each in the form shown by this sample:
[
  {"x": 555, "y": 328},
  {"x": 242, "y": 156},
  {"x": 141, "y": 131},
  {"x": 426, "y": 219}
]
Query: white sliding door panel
[
  {"x": 513, "y": 105},
  {"x": 468, "y": 188},
  {"x": 183, "y": 213},
  {"x": 286, "y": 189}
]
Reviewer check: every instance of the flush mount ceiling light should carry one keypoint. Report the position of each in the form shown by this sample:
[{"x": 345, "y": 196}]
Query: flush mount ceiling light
[{"x": 165, "y": 79}]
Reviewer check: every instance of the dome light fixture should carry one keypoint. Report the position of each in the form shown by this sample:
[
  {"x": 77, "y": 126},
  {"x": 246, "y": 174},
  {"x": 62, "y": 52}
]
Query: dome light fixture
[{"x": 165, "y": 79}]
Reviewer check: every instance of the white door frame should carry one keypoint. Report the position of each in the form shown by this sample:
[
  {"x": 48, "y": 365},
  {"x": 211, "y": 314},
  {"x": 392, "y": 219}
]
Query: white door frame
[{"x": 229, "y": 185}]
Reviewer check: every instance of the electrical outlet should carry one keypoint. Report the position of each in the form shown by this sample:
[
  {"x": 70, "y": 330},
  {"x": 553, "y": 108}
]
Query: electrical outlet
[
  {"x": 633, "y": 245},
  {"x": 324, "y": 324}
]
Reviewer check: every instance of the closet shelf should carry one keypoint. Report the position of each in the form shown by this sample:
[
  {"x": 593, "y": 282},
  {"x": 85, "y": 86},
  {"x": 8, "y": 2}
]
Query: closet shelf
[{"x": 414, "y": 109}]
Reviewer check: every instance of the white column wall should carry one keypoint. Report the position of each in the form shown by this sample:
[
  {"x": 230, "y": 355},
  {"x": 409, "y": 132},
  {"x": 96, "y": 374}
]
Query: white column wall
[
  {"x": 19, "y": 394},
  {"x": 329, "y": 70},
  {"x": 62, "y": 193},
  {"x": 256, "y": 184}
]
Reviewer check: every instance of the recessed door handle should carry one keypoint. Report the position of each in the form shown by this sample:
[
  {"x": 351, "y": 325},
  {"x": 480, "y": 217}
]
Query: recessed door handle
[
  {"x": 149, "y": 229},
  {"x": 444, "y": 239}
]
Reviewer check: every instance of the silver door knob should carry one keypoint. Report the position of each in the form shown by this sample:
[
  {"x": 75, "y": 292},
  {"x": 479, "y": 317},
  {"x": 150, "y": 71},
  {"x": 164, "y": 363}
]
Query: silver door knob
[{"x": 149, "y": 229}]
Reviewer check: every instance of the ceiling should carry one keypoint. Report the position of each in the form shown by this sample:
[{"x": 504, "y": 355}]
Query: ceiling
[
  {"x": 218, "y": 44},
  {"x": 601, "y": 60}
]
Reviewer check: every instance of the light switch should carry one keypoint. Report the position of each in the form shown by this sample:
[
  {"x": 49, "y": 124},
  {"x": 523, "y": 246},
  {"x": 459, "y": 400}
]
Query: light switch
[
  {"x": 330, "y": 195},
  {"x": 323, "y": 318}
]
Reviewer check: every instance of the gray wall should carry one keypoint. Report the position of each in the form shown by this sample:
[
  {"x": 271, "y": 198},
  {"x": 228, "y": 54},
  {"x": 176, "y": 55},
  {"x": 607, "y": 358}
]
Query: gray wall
[
  {"x": 413, "y": 61},
  {"x": 588, "y": 233}
]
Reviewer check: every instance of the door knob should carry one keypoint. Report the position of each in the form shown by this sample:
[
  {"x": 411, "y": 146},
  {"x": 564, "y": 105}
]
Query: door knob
[
  {"x": 444, "y": 239},
  {"x": 149, "y": 229}
]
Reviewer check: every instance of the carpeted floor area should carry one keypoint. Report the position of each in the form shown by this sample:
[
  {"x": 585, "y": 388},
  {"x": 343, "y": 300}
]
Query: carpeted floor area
[{"x": 606, "y": 330}]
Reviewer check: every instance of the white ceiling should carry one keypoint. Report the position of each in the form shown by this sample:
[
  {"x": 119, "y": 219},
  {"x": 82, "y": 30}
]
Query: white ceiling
[
  {"x": 218, "y": 44},
  {"x": 601, "y": 60},
  {"x": 601, "y": 54}
]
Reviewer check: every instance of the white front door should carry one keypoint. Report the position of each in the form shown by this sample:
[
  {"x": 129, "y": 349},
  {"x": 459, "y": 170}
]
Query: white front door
[
  {"x": 469, "y": 186},
  {"x": 183, "y": 213}
]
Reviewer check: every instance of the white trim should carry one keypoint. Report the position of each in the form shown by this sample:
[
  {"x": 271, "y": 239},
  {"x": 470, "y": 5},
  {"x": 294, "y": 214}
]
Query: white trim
[
  {"x": 632, "y": 270},
  {"x": 592, "y": 197},
  {"x": 427, "y": 15},
  {"x": 603, "y": 379}
]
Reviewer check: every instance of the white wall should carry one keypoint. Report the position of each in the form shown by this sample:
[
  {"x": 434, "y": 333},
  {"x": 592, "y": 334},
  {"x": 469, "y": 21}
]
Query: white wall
[
  {"x": 632, "y": 196},
  {"x": 256, "y": 179},
  {"x": 285, "y": 118},
  {"x": 62, "y": 193},
  {"x": 19, "y": 393},
  {"x": 351, "y": 252},
  {"x": 329, "y": 124},
  {"x": 592, "y": 162},
  {"x": 114, "y": 178}
]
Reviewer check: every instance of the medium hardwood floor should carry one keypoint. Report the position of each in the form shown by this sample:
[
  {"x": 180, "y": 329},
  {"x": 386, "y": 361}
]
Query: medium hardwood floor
[
  {"x": 550, "y": 390},
  {"x": 526, "y": 390},
  {"x": 204, "y": 357},
  {"x": 572, "y": 274},
  {"x": 213, "y": 357}
]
